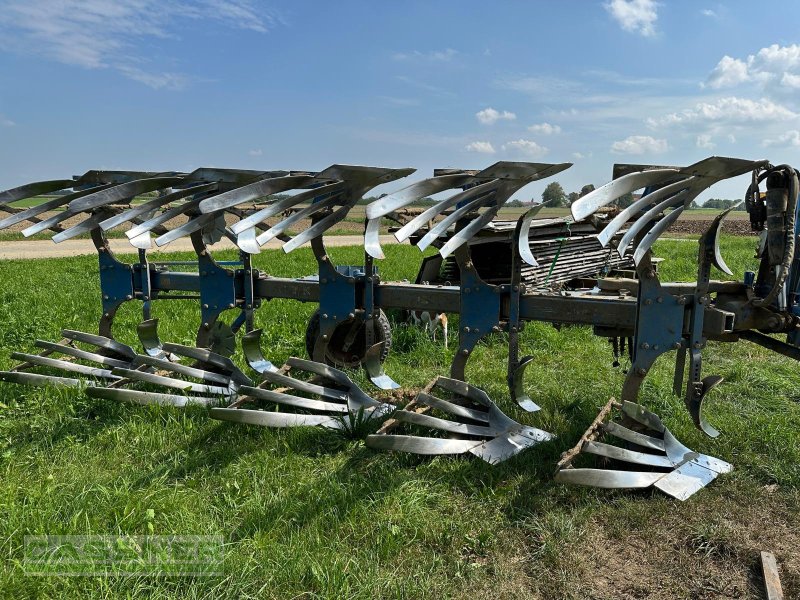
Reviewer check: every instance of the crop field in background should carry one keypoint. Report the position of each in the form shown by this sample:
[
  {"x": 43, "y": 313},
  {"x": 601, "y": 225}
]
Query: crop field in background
[{"x": 308, "y": 513}]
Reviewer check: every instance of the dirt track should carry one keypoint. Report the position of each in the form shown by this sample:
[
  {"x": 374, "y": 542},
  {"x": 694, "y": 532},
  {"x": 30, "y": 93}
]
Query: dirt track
[{"x": 48, "y": 249}]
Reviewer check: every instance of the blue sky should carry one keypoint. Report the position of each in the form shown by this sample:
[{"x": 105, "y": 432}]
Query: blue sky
[{"x": 179, "y": 84}]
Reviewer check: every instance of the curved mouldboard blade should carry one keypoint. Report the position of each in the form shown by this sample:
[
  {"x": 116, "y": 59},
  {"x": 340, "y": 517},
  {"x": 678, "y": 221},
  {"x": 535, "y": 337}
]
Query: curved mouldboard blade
[
  {"x": 374, "y": 369},
  {"x": 713, "y": 233},
  {"x": 122, "y": 193},
  {"x": 415, "y": 191},
  {"x": 251, "y": 346},
  {"x": 520, "y": 397},
  {"x": 694, "y": 403},
  {"x": 253, "y": 191},
  {"x": 523, "y": 244},
  {"x": 34, "y": 189},
  {"x": 606, "y": 194}
]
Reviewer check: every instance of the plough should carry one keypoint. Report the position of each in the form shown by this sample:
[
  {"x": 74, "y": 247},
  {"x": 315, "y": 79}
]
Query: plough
[{"x": 595, "y": 268}]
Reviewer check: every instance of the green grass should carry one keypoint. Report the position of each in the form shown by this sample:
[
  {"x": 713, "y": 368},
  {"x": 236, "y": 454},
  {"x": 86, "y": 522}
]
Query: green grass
[{"x": 306, "y": 513}]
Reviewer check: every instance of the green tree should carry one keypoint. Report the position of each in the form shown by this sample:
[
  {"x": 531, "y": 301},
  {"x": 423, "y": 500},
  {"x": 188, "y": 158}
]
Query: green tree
[
  {"x": 589, "y": 187},
  {"x": 572, "y": 197},
  {"x": 553, "y": 195}
]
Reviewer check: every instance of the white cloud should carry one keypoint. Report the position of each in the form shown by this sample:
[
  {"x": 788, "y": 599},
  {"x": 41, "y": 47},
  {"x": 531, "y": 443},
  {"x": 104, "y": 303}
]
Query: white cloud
[
  {"x": 578, "y": 155},
  {"x": 773, "y": 65},
  {"x": 544, "y": 129},
  {"x": 636, "y": 16},
  {"x": 727, "y": 110},
  {"x": 99, "y": 34},
  {"x": 482, "y": 147},
  {"x": 704, "y": 141},
  {"x": 639, "y": 144},
  {"x": 489, "y": 116},
  {"x": 256, "y": 152},
  {"x": 731, "y": 138},
  {"x": 790, "y": 138},
  {"x": 728, "y": 73},
  {"x": 707, "y": 12},
  {"x": 527, "y": 147},
  {"x": 445, "y": 55},
  {"x": 6, "y": 122}
]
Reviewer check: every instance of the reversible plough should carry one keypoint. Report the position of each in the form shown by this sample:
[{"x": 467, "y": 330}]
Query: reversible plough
[{"x": 595, "y": 268}]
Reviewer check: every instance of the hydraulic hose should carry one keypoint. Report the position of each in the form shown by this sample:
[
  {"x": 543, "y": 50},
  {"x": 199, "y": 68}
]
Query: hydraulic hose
[{"x": 789, "y": 238}]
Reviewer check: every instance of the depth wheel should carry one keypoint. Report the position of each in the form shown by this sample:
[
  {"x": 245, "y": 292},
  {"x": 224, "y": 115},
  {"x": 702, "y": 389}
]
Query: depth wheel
[{"x": 347, "y": 346}]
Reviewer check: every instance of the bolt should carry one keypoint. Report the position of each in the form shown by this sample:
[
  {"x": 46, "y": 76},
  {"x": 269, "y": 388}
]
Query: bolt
[
  {"x": 641, "y": 371},
  {"x": 106, "y": 315},
  {"x": 496, "y": 328},
  {"x": 466, "y": 329},
  {"x": 516, "y": 288},
  {"x": 249, "y": 306},
  {"x": 324, "y": 315},
  {"x": 335, "y": 318},
  {"x": 146, "y": 297},
  {"x": 514, "y": 329},
  {"x": 128, "y": 297},
  {"x": 230, "y": 305},
  {"x": 477, "y": 330},
  {"x": 351, "y": 315},
  {"x": 698, "y": 345},
  {"x": 660, "y": 299},
  {"x": 645, "y": 346},
  {"x": 325, "y": 336},
  {"x": 681, "y": 300},
  {"x": 205, "y": 305},
  {"x": 648, "y": 301},
  {"x": 676, "y": 345},
  {"x": 105, "y": 297},
  {"x": 465, "y": 352},
  {"x": 205, "y": 325},
  {"x": 655, "y": 347}
]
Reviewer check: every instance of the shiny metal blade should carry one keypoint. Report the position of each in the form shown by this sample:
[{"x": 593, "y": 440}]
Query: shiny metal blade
[
  {"x": 161, "y": 218},
  {"x": 31, "y": 190},
  {"x": 444, "y": 424},
  {"x": 195, "y": 224},
  {"x": 253, "y": 191},
  {"x": 679, "y": 188},
  {"x": 631, "y": 456},
  {"x": 100, "y": 342},
  {"x": 274, "y": 419},
  {"x": 415, "y": 191},
  {"x": 453, "y": 409},
  {"x": 295, "y": 401},
  {"x": 684, "y": 481},
  {"x": 651, "y": 214},
  {"x": 520, "y": 397},
  {"x": 211, "y": 358},
  {"x": 151, "y": 205},
  {"x": 464, "y": 389},
  {"x": 374, "y": 368},
  {"x": 251, "y": 346},
  {"x": 63, "y": 365},
  {"x": 283, "y": 204},
  {"x": 321, "y": 369},
  {"x": 181, "y": 369},
  {"x": 170, "y": 382},
  {"x": 304, "y": 386},
  {"x": 420, "y": 445},
  {"x": 634, "y": 437},
  {"x": 442, "y": 226},
  {"x": 603, "y": 478},
  {"x": 606, "y": 194},
  {"x": 46, "y": 223},
  {"x": 82, "y": 354},
  {"x": 304, "y": 213},
  {"x": 34, "y": 379},
  {"x": 316, "y": 229},
  {"x": 84, "y": 226},
  {"x": 121, "y": 193},
  {"x": 140, "y": 397},
  {"x": 431, "y": 213},
  {"x": 372, "y": 238},
  {"x": 523, "y": 243},
  {"x": 463, "y": 236},
  {"x": 651, "y": 236},
  {"x": 33, "y": 211}
]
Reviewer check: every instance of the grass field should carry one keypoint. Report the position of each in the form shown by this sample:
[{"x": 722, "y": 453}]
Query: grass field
[{"x": 310, "y": 514}]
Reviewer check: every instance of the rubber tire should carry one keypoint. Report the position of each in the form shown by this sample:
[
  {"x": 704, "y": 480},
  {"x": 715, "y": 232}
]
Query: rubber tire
[{"x": 355, "y": 357}]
